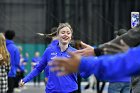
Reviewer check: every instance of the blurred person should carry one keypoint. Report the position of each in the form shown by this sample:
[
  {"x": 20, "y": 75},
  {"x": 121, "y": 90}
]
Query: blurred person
[
  {"x": 132, "y": 39},
  {"x": 26, "y": 57},
  {"x": 35, "y": 61},
  {"x": 64, "y": 84},
  {"x": 17, "y": 78},
  {"x": 121, "y": 85},
  {"x": 14, "y": 58},
  {"x": 20, "y": 71},
  {"x": 4, "y": 65},
  {"x": 106, "y": 67},
  {"x": 24, "y": 63}
]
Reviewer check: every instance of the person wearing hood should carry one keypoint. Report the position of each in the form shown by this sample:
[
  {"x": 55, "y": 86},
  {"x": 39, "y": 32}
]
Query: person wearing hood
[{"x": 14, "y": 59}]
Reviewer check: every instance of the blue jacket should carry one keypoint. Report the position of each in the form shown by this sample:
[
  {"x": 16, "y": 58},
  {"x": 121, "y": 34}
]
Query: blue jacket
[
  {"x": 109, "y": 67},
  {"x": 46, "y": 71},
  {"x": 14, "y": 57},
  {"x": 56, "y": 84},
  {"x": 53, "y": 43}
]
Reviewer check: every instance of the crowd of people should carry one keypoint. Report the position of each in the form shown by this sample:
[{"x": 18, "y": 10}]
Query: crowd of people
[{"x": 64, "y": 65}]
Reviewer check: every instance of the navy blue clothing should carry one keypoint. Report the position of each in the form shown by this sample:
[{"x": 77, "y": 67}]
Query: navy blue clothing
[
  {"x": 56, "y": 84},
  {"x": 109, "y": 67},
  {"x": 14, "y": 57}
]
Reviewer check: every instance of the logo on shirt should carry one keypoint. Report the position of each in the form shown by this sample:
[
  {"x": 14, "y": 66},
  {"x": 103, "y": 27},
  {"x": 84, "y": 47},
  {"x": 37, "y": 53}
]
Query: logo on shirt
[{"x": 53, "y": 54}]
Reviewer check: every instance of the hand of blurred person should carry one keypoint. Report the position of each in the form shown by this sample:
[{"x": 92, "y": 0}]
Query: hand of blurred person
[
  {"x": 86, "y": 50},
  {"x": 66, "y": 65},
  {"x": 21, "y": 83},
  {"x": 113, "y": 48}
]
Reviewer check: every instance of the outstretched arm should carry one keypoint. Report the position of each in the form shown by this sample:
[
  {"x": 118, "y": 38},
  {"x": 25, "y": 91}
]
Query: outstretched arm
[
  {"x": 104, "y": 68},
  {"x": 131, "y": 38},
  {"x": 38, "y": 69},
  {"x": 110, "y": 67}
]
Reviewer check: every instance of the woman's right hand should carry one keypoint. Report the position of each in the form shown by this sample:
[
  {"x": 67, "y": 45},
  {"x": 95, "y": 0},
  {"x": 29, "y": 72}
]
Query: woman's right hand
[{"x": 21, "y": 83}]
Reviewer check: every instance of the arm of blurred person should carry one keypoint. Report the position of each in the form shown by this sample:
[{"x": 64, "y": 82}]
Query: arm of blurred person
[
  {"x": 105, "y": 67},
  {"x": 131, "y": 38},
  {"x": 86, "y": 50},
  {"x": 113, "y": 48}
]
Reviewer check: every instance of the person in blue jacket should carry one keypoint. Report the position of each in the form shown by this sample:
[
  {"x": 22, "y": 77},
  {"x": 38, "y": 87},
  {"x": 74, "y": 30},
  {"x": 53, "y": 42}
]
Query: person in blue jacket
[
  {"x": 107, "y": 67},
  {"x": 64, "y": 84},
  {"x": 35, "y": 61},
  {"x": 14, "y": 59},
  {"x": 24, "y": 63}
]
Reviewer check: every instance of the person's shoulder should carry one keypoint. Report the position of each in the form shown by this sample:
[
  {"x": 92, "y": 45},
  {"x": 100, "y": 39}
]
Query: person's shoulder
[
  {"x": 53, "y": 44},
  {"x": 13, "y": 47},
  {"x": 49, "y": 49}
]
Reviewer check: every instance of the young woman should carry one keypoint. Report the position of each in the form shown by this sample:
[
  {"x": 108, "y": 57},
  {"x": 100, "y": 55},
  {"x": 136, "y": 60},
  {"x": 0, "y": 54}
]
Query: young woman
[
  {"x": 4, "y": 65},
  {"x": 64, "y": 84}
]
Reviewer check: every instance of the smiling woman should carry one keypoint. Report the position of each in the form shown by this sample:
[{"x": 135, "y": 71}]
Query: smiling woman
[
  {"x": 64, "y": 34},
  {"x": 56, "y": 84}
]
